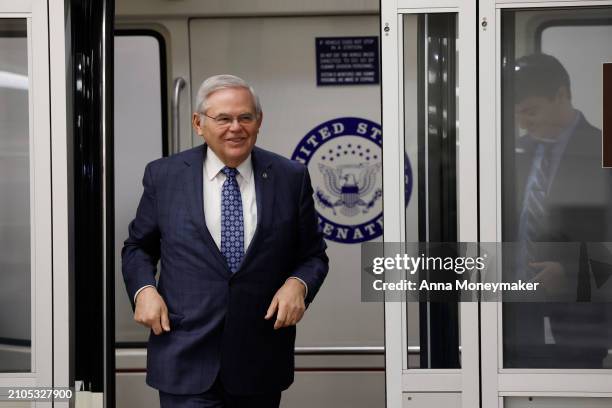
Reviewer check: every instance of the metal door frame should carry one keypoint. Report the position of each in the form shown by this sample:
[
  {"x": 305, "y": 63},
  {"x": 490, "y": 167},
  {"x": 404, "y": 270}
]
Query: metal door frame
[
  {"x": 48, "y": 194},
  {"x": 498, "y": 382},
  {"x": 399, "y": 378},
  {"x": 478, "y": 363}
]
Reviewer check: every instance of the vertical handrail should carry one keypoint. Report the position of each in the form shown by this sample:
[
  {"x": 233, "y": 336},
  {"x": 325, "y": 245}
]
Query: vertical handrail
[{"x": 179, "y": 84}]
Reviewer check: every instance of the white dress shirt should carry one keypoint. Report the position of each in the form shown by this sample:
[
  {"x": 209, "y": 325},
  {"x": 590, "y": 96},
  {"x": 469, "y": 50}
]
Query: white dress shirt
[
  {"x": 213, "y": 180},
  {"x": 213, "y": 185}
]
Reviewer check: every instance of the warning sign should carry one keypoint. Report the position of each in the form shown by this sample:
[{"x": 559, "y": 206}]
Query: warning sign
[{"x": 347, "y": 61}]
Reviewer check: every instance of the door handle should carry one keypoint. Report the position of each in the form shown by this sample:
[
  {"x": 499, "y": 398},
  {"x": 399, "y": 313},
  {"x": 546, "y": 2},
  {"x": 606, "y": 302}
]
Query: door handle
[{"x": 179, "y": 84}]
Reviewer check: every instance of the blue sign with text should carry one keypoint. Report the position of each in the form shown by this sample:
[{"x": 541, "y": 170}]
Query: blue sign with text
[{"x": 347, "y": 61}]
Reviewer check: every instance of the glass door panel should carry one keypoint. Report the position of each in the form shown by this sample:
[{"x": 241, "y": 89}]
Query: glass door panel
[
  {"x": 15, "y": 253},
  {"x": 540, "y": 179},
  {"x": 554, "y": 188},
  {"x": 431, "y": 136}
]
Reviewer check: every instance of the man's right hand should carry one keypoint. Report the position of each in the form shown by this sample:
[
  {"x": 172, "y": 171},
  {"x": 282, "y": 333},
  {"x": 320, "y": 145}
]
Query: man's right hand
[{"x": 151, "y": 311}]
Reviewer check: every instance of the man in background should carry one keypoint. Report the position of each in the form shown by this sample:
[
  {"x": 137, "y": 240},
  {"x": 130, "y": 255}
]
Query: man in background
[{"x": 562, "y": 196}]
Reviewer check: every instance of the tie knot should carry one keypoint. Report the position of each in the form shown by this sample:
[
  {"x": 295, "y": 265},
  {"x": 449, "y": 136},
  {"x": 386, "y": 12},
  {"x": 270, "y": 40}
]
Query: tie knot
[{"x": 229, "y": 172}]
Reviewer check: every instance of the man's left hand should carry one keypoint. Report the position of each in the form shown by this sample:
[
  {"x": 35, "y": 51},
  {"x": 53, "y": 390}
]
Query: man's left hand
[{"x": 288, "y": 302}]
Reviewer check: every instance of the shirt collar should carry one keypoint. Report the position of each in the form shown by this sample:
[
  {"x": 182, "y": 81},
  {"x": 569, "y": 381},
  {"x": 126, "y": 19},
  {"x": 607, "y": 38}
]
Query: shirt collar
[{"x": 214, "y": 165}]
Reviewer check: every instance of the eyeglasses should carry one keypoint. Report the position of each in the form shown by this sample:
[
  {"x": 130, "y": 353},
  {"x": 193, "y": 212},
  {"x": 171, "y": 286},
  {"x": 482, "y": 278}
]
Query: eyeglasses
[{"x": 226, "y": 120}]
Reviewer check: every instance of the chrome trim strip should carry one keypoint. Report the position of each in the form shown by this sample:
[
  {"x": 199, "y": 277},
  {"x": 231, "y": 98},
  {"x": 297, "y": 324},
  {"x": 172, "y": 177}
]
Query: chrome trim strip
[{"x": 179, "y": 84}]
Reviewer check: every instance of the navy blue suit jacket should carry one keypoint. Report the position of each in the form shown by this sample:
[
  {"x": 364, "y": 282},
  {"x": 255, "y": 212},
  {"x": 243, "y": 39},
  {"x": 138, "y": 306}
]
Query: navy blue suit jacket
[
  {"x": 576, "y": 213},
  {"x": 216, "y": 317}
]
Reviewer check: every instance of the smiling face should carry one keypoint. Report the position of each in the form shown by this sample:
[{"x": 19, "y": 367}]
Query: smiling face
[{"x": 231, "y": 142}]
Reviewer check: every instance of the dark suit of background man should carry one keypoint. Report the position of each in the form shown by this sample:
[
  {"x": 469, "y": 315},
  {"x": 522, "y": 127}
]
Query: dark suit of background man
[
  {"x": 561, "y": 194},
  {"x": 241, "y": 255}
]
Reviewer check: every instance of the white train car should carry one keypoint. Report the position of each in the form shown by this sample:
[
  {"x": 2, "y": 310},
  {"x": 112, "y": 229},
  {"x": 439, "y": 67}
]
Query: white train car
[{"x": 423, "y": 94}]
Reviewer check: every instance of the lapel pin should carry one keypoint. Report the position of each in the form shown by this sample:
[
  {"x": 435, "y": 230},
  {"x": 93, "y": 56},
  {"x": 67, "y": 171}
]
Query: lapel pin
[{"x": 264, "y": 175}]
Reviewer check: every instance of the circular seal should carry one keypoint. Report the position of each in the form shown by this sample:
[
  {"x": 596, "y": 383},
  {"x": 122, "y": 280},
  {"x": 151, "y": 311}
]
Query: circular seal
[{"x": 344, "y": 159}]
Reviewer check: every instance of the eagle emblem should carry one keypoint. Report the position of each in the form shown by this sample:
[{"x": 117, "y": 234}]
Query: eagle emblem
[
  {"x": 344, "y": 157},
  {"x": 349, "y": 184}
]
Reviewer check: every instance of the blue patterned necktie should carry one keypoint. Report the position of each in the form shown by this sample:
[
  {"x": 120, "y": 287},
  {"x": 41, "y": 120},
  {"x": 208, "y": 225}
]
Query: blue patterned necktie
[
  {"x": 533, "y": 225},
  {"x": 232, "y": 223}
]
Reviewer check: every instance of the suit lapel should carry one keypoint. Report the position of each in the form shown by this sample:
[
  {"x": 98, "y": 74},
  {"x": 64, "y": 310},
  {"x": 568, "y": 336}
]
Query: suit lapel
[
  {"x": 194, "y": 185},
  {"x": 264, "y": 195}
]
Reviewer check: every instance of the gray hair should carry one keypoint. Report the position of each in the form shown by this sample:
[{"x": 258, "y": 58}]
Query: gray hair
[{"x": 216, "y": 82}]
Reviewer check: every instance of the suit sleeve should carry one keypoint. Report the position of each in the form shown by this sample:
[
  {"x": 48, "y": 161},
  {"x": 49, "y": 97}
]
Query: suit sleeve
[
  {"x": 313, "y": 263},
  {"x": 141, "y": 250}
]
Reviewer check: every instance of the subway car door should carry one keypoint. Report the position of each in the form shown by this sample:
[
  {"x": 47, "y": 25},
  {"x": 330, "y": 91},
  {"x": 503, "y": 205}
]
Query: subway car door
[
  {"x": 340, "y": 341},
  {"x": 33, "y": 270},
  {"x": 547, "y": 353},
  {"x": 141, "y": 136},
  {"x": 508, "y": 154},
  {"x": 328, "y": 117},
  {"x": 429, "y": 118}
]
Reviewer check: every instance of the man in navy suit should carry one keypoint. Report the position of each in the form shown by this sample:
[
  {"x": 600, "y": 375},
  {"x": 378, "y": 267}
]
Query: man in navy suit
[
  {"x": 235, "y": 229},
  {"x": 560, "y": 194}
]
